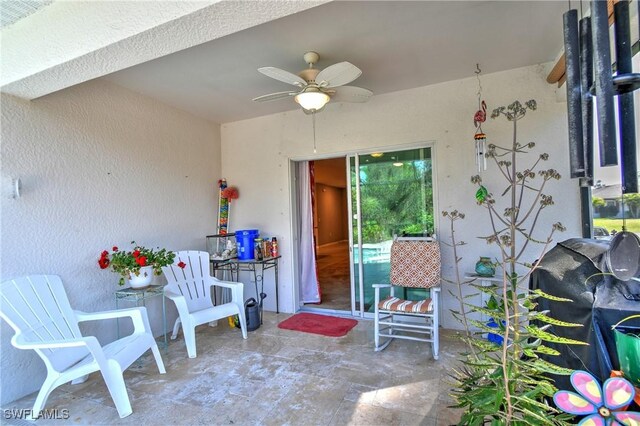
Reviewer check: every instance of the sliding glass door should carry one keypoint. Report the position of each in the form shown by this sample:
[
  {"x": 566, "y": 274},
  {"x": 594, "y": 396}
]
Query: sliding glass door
[{"x": 391, "y": 195}]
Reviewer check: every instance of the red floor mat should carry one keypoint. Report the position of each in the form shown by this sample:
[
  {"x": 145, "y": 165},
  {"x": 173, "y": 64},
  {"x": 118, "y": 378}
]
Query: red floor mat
[{"x": 319, "y": 324}]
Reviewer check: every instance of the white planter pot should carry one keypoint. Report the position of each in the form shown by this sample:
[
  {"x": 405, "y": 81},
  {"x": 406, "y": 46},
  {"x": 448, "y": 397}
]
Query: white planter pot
[{"x": 143, "y": 279}]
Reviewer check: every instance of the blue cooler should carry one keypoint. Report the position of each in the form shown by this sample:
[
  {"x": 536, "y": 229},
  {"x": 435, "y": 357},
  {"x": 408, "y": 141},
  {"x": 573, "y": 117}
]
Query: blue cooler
[{"x": 245, "y": 238}]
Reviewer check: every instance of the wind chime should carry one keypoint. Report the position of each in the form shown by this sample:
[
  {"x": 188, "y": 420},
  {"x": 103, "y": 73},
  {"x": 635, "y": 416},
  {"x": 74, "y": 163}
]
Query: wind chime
[
  {"x": 589, "y": 75},
  {"x": 478, "y": 118}
]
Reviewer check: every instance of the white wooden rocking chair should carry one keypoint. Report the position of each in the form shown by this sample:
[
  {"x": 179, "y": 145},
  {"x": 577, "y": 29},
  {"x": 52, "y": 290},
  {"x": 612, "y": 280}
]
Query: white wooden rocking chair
[
  {"x": 415, "y": 263},
  {"x": 38, "y": 310},
  {"x": 190, "y": 289}
]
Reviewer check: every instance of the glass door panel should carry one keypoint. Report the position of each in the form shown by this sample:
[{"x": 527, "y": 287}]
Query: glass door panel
[{"x": 391, "y": 194}]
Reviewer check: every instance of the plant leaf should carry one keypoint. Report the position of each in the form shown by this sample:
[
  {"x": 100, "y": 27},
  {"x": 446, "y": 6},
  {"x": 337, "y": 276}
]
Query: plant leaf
[
  {"x": 546, "y": 350},
  {"x": 544, "y": 295},
  {"x": 548, "y": 367},
  {"x": 545, "y": 318},
  {"x": 548, "y": 337}
]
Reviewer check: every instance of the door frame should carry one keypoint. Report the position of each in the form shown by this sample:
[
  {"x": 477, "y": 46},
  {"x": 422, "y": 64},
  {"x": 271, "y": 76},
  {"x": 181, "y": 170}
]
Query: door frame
[
  {"x": 432, "y": 147},
  {"x": 293, "y": 223}
]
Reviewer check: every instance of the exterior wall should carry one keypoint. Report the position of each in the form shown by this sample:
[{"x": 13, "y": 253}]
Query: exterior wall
[
  {"x": 100, "y": 166},
  {"x": 441, "y": 114}
]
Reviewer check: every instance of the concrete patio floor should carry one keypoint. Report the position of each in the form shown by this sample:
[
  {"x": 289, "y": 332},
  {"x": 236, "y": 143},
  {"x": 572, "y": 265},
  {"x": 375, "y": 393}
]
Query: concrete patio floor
[{"x": 275, "y": 377}]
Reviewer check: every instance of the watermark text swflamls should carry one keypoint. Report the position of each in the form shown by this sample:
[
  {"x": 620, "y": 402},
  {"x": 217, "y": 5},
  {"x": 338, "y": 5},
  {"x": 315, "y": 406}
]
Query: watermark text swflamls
[{"x": 28, "y": 413}]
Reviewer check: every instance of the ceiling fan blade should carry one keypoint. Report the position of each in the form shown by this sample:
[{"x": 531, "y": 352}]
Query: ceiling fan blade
[
  {"x": 274, "y": 96},
  {"x": 338, "y": 74},
  {"x": 282, "y": 75},
  {"x": 351, "y": 94}
]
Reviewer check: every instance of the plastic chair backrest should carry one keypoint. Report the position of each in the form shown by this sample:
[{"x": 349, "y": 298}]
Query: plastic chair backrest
[
  {"x": 37, "y": 307},
  {"x": 193, "y": 281},
  {"x": 415, "y": 262}
]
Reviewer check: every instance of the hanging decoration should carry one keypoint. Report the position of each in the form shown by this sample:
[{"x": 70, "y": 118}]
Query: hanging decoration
[{"x": 478, "y": 118}]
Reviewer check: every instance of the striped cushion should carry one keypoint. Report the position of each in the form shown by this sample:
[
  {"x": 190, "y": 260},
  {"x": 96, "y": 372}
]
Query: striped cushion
[{"x": 400, "y": 305}]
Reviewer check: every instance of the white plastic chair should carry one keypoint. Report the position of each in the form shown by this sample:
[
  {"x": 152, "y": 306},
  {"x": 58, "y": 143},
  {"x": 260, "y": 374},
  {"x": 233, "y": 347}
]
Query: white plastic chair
[
  {"x": 190, "y": 289},
  {"x": 38, "y": 310},
  {"x": 415, "y": 263}
]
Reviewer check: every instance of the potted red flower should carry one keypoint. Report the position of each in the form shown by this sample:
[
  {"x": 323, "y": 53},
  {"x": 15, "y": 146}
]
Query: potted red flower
[{"x": 137, "y": 265}]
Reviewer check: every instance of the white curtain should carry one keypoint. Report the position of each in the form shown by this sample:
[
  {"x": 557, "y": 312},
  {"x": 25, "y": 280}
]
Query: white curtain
[{"x": 309, "y": 288}]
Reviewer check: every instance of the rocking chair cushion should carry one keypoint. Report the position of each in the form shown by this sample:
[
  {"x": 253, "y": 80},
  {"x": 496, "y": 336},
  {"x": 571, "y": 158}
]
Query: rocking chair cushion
[
  {"x": 415, "y": 264},
  {"x": 396, "y": 304}
]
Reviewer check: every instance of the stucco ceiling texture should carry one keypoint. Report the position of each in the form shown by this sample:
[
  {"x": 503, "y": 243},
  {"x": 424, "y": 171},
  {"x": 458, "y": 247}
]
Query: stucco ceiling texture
[{"x": 398, "y": 45}]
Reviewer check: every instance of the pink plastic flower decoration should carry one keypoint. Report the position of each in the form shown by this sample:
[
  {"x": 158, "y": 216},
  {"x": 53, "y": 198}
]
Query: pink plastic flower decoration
[{"x": 589, "y": 401}]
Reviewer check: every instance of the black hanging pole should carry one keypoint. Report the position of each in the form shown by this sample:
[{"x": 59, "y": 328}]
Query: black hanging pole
[
  {"x": 574, "y": 96},
  {"x": 626, "y": 113},
  {"x": 604, "y": 84},
  {"x": 586, "y": 79}
]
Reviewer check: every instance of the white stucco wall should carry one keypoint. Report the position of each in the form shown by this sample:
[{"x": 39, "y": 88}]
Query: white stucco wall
[
  {"x": 257, "y": 153},
  {"x": 100, "y": 166}
]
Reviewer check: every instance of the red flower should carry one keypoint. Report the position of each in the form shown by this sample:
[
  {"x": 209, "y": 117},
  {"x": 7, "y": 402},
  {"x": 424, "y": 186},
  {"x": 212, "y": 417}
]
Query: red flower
[
  {"x": 104, "y": 254},
  {"x": 136, "y": 253},
  {"x": 142, "y": 261},
  {"x": 181, "y": 264},
  {"x": 103, "y": 263},
  {"x": 115, "y": 248}
]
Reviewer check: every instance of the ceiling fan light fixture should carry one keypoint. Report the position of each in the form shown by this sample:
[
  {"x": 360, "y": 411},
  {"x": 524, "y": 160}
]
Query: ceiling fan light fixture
[{"x": 312, "y": 100}]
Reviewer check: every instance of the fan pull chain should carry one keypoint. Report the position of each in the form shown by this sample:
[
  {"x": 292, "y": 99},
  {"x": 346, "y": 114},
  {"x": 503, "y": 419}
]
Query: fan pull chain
[{"x": 313, "y": 118}]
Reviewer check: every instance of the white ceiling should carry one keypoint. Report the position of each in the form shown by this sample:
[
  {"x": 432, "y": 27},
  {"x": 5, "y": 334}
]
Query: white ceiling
[{"x": 397, "y": 44}]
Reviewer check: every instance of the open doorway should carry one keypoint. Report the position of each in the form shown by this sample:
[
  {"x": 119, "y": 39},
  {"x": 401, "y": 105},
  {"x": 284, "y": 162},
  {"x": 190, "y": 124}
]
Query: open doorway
[
  {"x": 331, "y": 234},
  {"x": 348, "y": 211}
]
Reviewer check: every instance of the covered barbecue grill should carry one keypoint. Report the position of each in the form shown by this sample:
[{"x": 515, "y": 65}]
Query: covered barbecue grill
[{"x": 574, "y": 269}]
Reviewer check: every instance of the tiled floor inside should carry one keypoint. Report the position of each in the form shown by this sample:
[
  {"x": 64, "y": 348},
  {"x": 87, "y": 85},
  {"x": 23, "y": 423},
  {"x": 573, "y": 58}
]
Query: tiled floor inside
[
  {"x": 334, "y": 276},
  {"x": 275, "y": 377}
]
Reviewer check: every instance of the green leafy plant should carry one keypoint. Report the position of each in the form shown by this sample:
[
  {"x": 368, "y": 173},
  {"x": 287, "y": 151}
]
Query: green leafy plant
[
  {"x": 506, "y": 383},
  {"x": 127, "y": 263}
]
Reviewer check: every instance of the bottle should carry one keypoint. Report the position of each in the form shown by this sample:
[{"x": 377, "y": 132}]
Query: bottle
[
  {"x": 257, "y": 248},
  {"x": 274, "y": 247}
]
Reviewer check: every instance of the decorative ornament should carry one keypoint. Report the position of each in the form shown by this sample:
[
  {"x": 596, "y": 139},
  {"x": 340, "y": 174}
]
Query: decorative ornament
[
  {"x": 230, "y": 193},
  {"x": 478, "y": 118},
  {"x": 601, "y": 410},
  {"x": 481, "y": 194}
]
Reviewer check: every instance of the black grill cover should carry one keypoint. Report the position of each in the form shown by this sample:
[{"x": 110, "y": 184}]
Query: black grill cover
[{"x": 573, "y": 269}]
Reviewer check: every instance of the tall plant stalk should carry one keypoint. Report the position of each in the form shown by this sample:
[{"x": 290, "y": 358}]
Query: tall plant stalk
[{"x": 506, "y": 384}]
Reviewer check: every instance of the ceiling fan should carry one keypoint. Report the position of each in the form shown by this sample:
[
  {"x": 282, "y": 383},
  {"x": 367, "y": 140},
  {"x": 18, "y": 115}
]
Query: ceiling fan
[{"x": 315, "y": 87}]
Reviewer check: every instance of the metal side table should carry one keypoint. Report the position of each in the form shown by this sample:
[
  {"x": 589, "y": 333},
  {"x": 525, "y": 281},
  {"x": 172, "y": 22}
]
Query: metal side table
[
  {"x": 257, "y": 268},
  {"x": 139, "y": 296}
]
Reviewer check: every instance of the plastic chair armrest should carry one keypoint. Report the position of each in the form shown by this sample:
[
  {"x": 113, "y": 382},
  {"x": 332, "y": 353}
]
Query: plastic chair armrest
[{"x": 226, "y": 284}]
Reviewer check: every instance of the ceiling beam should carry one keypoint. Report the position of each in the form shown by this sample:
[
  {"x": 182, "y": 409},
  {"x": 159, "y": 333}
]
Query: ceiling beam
[{"x": 68, "y": 43}]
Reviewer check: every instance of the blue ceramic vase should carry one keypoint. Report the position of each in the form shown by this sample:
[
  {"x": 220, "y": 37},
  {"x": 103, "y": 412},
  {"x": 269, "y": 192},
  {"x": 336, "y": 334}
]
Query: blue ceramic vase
[{"x": 485, "y": 268}]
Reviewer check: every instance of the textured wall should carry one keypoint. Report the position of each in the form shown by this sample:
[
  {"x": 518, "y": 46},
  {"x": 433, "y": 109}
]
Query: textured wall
[
  {"x": 442, "y": 114},
  {"x": 100, "y": 166}
]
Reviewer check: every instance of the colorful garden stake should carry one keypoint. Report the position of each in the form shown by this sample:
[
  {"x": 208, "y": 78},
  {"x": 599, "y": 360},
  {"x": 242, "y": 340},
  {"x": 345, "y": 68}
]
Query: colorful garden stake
[
  {"x": 223, "y": 209},
  {"x": 601, "y": 410}
]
